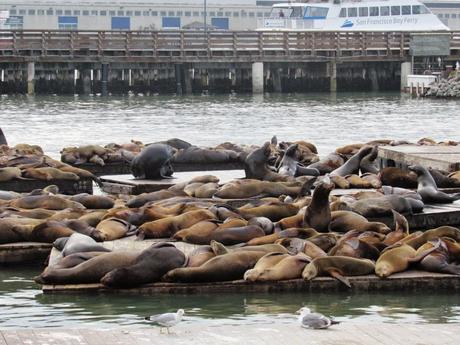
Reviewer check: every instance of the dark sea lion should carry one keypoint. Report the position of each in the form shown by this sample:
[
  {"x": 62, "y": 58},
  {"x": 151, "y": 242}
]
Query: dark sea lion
[
  {"x": 93, "y": 201},
  {"x": 395, "y": 177},
  {"x": 443, "y": 179},
  {"x": 397, "y": 259},
  {"x": 88, "y": 272},
  {"x": 50, "y": 231},
  {"x": 350, "y": 245},
  {"x": 266, "y": 261},
  {"x": 2, "y": 138},
  {"x": 290, "y": 267},
  {"x": 176, "y": 143},
  {"x": 344, "y": 221},
  {"x": 401, "y": 229},
  {"x": 367, "y": 164},
  {"x": 440, "y": 259},
  {"x": 37, "y": 213},
  {"x": 198, "y": 155},
  {"x": 237, "y": 235},
  {"x": 231, "y": 266},
  {"x": 328, "y": 163},
  {"x": 200, "y": 255},
  {"x": 351, "y": 166},
  {"x": 318, "y": 213},
  {"x": 427, "y": 187},
  {"x": 290, "y": 166},
  {"x": 153, "y": 162},
  {"x": 49, "y": 202},
  {"x": 256, "y": 166},
  {"x": 78, "y": 243},
  {"x": 324, "y": 241},
  {"x": 17, "y": 229},
  {"x": 151, "y": 264},
  {"x": 338, "y": 267},
  {"x": 142, "y": 199}
]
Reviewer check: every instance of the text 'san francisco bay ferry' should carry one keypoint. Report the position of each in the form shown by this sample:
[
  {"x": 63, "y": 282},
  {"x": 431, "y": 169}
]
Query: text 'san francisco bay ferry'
[{"x": 352, "y": 15}]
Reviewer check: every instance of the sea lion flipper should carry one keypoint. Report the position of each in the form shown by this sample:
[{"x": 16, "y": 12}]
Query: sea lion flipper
[
  {"x": 425, "y": 252},
  {"x": 218, "y": 248},
  {"x": 338, "y": 275},
  {"x": 353, "y": 243}
]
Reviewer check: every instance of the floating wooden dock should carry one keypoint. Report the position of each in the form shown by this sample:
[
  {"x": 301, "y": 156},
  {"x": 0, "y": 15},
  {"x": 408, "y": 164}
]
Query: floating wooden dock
[
  {"x": 207, "y": 332},
  {"x": 404, "y": 281},
  {"x": 445, "y": 158},
  {"x": 84, "y": 185},
  {"x": 22, "y": 252},
  {"x": 127, "y": 184}
]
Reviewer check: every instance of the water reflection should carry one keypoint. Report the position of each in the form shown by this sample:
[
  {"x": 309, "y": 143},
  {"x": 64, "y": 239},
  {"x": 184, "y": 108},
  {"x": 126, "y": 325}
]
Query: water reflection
[{"x": 23, "y": 305}]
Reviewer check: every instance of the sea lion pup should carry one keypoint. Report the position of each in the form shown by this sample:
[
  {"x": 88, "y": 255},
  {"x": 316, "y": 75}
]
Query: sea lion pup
[
  {"x": 167, "y": 227},
  {"x": 93, "y": 201},
  {"x": 78, "y": 243},
  {"x": 290, "y": 166},
  {"x": 367, "y": 163},
  {"x": 344, "y": 221},
  {"x": 153, "y": 162},
  {"x": 151, "y": 264},
  {"x": 266, "y": 261},
  {"x": 220, "y": 249},
  {"x": 395, "y": 177},
  {"x": 318, "y": 213},
  {"x": 200, "y": 255},
  {"x": 401, "y": 229},
  {"x": 256, "y": 166},
  {"x": 382, "y": 206},
  {"x": 298, "y": 245},
  {"x": 338, "y": 267},
  {"x": 290, "y": 267},
  {"x": 231, "y": 266},
  {"x": 48, "y": 202},
  {"x": 112, "y": 229},
  {"x": 417, "y": 240},
  {"x": 10, "y": 173},
  {"x": 427, "y": 187},
  {"x": 287, "y": 233},
  {"x": 88, "y": 272},
  {"x": 440, "y": 259},
  {"x": 350, "y": 245},
  {"x": 351, "y": 166},
  {"x": 398, "y": 257}
]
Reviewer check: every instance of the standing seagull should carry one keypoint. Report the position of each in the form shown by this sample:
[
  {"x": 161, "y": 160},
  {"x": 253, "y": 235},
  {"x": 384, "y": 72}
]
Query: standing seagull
[
  {"x": 308, "y": 319},
  {"x": 167, "y": 320}
]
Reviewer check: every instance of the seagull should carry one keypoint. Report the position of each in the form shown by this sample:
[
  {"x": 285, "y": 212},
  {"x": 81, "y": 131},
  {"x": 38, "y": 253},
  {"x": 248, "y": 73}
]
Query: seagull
[
  {"x": 308, "y": 319},
  {"x": 167, "y": 320}
]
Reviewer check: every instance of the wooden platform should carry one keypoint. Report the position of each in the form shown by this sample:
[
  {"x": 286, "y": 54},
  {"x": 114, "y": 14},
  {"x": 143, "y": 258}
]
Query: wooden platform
[
  {"x": 405, "y": 281},
  {"x": 84, "y": 185},
  {"x": 123, "y": 168},
  {"x": 437, "y": 157},
  {"x": 127, "y": 184},
  {"x": 29, "y": 252},
  {"x": 285, "y": 330}
]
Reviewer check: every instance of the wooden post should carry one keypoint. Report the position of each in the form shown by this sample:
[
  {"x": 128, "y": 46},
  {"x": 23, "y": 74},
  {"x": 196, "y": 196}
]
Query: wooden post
[
  {"x": 257, "y": 77},
  {"x": 31, "y": 78},
  {"x": 333, "y": 76},
  {"x": 104, "y": 78}
]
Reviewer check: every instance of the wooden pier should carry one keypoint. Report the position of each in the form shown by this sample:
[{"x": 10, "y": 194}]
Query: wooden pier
[
  {"x": 84, "y": 185},
  {"x": 24, "y": 252},
  {"x": 445, "y": 158},
  {"x": 206, "y": 332}
]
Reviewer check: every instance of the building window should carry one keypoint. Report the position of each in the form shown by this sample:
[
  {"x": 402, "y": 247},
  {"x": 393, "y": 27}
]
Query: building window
[
  {"x": 236, "y": 14},
  {"x": 196, "y": 14},
  {"x": 121, "y": 13},
  {"x": 13, "y": 12},
  {"x": 228, "y": 14},
  {"x": 447, "y": 16},
  {"x": 163, "y": 13},
  {"x": 67, "y": 12},
  {"x": 59, "y": 12},
  {"x": 32, "y": 12},
  {"x": 129, "y": 13},
  {"x": 112, "y": 13},
  {"x": 171, "y": 22},
  {"x": 251, "y": 14},
  {"x": 212, "y": 13},
  {"x": 94, "y": 13},
  {"x": 453, "y": 15},
  {"x": 154, "y": 13},
  {"x": 385, "y": 11},
  {"x": 146, "y": 13},
  {"x": 260, "y": 14},
  {"x": 137, "y": 13},
  {"x": 121, "y": 23},
  {"x": 395, "y": 10},
  {"x": 188, "y": 14},
  {"x": 244, "y": 14},
  {"x": 179, "y": 14},
  {"x": 22, "y": 12},
  {"x": 76, "y": 12},
  {"x": 102, "y": 13},
  {"x": 85, "y": 13},
  {"x": 41, "y": 12},
  {"x": 363, "y": 11},
  {"x": 220, "y": 14},
  {"x": 343, "y": 13},
  {"x": 171, "y": 13}
]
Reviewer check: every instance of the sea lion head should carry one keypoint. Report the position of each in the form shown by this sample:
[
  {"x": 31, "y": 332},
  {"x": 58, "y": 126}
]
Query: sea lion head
[
  {"x": 383, "y": 269},
  {"x": 310, "y": 271},
  {"x": 251, "y": 275}
]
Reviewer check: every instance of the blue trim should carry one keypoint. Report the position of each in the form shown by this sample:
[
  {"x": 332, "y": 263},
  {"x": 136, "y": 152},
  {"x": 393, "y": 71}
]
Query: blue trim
[
  {"x": 67, "y": 20},
  {"x": 121, "y": 23},
  {"x": 170, "y": 22}
]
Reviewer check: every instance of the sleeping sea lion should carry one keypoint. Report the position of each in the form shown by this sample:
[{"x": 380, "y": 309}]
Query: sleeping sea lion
[
  {"x": 427, "y": 187},
  {"x": 289, "y": 267}
]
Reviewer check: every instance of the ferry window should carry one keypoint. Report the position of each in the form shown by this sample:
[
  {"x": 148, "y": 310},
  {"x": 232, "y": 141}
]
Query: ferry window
[
  {"x": 129, "y": 13},
  {"x": 385, "y": 11},
  {"x": 103, "y": 13},
  {"x": 163, "y": 13},
  {"x": 154, "y": 13},
  {"x": 363, "y": 11},
  {"x": 447, "y": 16},
  {"x": 14, "y": 11},
  {"x": 145, "y": 13},
  {"x": 32, "y": 12},
  {"x": 373, "y": 11},
  {"x": 405, "y": 10},
  {"x": 352, "y": 12},
  {"x": 121, "y": 13},
  {"x": 22, "y": 11},
  {"x": 85, "y": 13},
  {"x": 196, "y": 14},
  {"x": 318, "y": 12},
  {"x": 395, "y": 10},
  {"x": 236, "y": 14},
  {"x": 416, "y": 9},
  {"x": 275, "y": 13},
  {"x": 297, "y": 12},
  {"x": 424, "y": 10},
  {"x": 453, "y": 15},
  {"x": 188, "y": 14},
  {"x": 343, "y": 13}
]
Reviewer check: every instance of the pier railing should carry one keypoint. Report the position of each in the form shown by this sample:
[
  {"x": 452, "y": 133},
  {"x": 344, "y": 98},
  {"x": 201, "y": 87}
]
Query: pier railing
[{"x": 196, "y": 44}]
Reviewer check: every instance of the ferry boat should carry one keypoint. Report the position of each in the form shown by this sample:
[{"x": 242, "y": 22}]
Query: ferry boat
[{"x": 352, "y": 15}]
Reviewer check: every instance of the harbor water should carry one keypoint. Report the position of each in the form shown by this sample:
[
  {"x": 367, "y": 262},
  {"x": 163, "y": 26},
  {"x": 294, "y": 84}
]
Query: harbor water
[{"x": 327, "y": 120}]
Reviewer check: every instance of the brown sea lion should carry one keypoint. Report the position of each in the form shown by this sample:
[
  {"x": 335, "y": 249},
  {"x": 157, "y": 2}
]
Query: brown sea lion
[
  {"x": 200, "y": 255},
  {"x": 328, "y": 163},
  {"x": 440, "y": 259},
  {"x": 14, "y": 229},
  {"x": 148, "y": 267},
  {"x": 112, "y": 229},
  {"x": 88, "y": 272},
  {"x": 349, "y": 150},
  {"x": 49, "y": 202},
  {"x": 324, "y": 241},
  {"x": 338, "y": 267},
  {"x": 48, "y": 174},
  {"x": 344, "y": 221},
  {"x": 93, "y": 201},
  {"x": 167, "y": 227},
  {"x": 395, "y": 177},
  {"x": 298, "y": 245},
  {"x": 350, "y": 245},
  {"x": 373, "y": 179},
  {"x": 401, "y": 229},
  {"x": 237, "y": 235},
  {"x": 357, "y": 182},
  {"x": 243, "y": 189},
  {"x": 256, "y": 166},
  {"x": 231, "y": 266},
  {"x": 38, "y": 213},
  {"x": 10, "y": 173},
  {"x": 290, "y": 267},
  {"x": 220, "y": 249},
  {"x": 198, "y": 233},
  {"x": 273, "y": 211},
  {"x": 318, "y": 213},
  {"x": 415, "y": 241},
  {"x": 287, "y": 233},
  {"x": 266, "y": 261}
]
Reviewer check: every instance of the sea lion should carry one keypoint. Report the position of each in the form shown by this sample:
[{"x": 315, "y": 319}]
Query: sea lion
[
  {"x": 151, "y": 264},
  {"x": 200, "y": 255},
  {"x": 298, "y": 245},
  {"x": 8, "y": 195},
  {"x": 328, "y": 163},
  {"x": 357, "y": 182},
  {"x": 243, "y": 189},
  {"x": 231, "y": 266},
  {"x": 318, "y": 213},
  {"x": 141, "y": 199},
  {"x": 287, "y": 233},
  {"x": 351, "y": 166},
  {"x": 344, "y": 221},
  {"x": 256, "y": 166},
  {"x": 427, "y": 187},
  {"x": 338, "y": 267},
  {"x": 266, "y": 261},
  {"x": 440, "y": 259},
  {"x": 167, "y": 227},
  {"x": 2, "y": 138},
  {"x": 10, "y": 173},
  {"x": 395, "y": 177},
  {"x": 48, "y": 174},
  {"x": 383, "y": 206},
  {"x": 349, "y": 149},
  {"x": 264, "y": 223},
  {"x": 93, "y": 201},
  {"x": 350, "y": 245},
  {"x": 176, "y": 143},
  {"x": 397, "y": 259},
  {"x": 112, "y": 229},
  {"x": 198, "y": 155},
  {"x": 417, "y": 240},
  {"x": 78, "y": 243},
  {"x": 290, "y": 267},
  {"x": 274, "y": 211},
  {"x": 401, "y": 229},
  {"x": 153, "y": 162},
  {"x": 37, "y": 213},
  {"x": 198, "y": 233},
  {"x": 367, "y": 163},
  {"x": 75, "y": 259},
  {"x": 220, "y": 249},
  {"x": 88, "y": 272},
  {"x": 17, "y": 229},
  {"x": 324, "y": 241},
  {"x": 443, "y": 179},
  {"x": 229, "y": 236},
  {"x": 50, "y": 231},
  {"x": 290, "y": 166},
  {"x": 49, "y": 202},
  {"x": 373, "y": 179}
]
